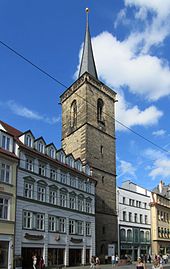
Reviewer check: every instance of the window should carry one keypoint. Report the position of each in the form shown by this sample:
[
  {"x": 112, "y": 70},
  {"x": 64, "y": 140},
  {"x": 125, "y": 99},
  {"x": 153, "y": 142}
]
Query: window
[
  {"x": 122, "y": 234},
  {"x": 88, "y": 206},
  {"x": 80, "y": 203},
  {"x": 52, "y": 152},
  {"x": 4, "y": 208},
  {"x": 41, "y": 194},
  {"x": 79, "y": 227},
  {"x": 29, "y": 164},
  {"x": 136, "y": 235},
  {"x": 147, "y": 236},
  {"x": 80, "y": 184},
  {"x": 146, "y": 219},
  {"x": 62, "y": 225},
  {"x": 78, "y": 165},
  {"x": 63, "y": 199},
  {"x": 61, "y": 157},
  {"x": 129, "y": 235},
  {"x": 73, "y": 181},
  {"x": 40, "y": 222},
  {"x": 136, "y": 218},
  {"x": 28, "y": 189},
  {"x": 70, "y": 161},
  {"x": 124, "y": 215},
  {"x": 41, "y": 146},
  {"x": 124, "y": 200},
  {"x": 42, "y": 170},
  {"x": 100, "y": 106},
  {"x": 5, "y": 173},
  {"x": 141, "y": 218},
  {"x": 139, "y": 204},
  {"x": 27, "y": 219},
  {"x": 72, "y": 200},
  {"x": 53, "y": 197},
  {"x": 103, "y": 229},
  {"x": 63, "y": 178},
  {"x": 72, "y": 227},
  {"x": 101, "y": 149},
  {"x": 53, "y": 174},
  {"x": 88, "y": 187},
  {"x": 52, "y": 223},
  {"x": 142, "y": 236},
  {"x": 145, "y": 205},
  {"x": 88, "y": 228},
  {"x": 73, "y": 114},
  {"x": 130, "y": 216},
  {"x": 29, "y": 140},
  {"x": 6, "y": 142}
]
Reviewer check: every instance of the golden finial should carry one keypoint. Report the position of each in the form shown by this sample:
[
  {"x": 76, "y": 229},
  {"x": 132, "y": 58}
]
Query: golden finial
[{"x": 87, "y": 10}]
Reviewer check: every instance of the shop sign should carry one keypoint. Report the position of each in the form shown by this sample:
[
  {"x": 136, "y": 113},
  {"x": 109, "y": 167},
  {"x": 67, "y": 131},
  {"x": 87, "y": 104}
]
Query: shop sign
[
  {"x": 76, "y": 240},
  {"x": 33, "y": 236}
]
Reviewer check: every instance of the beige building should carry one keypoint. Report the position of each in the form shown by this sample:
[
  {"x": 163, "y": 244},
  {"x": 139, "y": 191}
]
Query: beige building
[
  {"x": 88, "y": 132},
  {"x": 160, "y": 214},
  {"x": 8, "y": 165}
]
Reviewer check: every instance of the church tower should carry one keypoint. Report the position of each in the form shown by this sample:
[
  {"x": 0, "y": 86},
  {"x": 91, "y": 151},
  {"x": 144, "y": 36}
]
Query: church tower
[{"x": 88, "y": 132}]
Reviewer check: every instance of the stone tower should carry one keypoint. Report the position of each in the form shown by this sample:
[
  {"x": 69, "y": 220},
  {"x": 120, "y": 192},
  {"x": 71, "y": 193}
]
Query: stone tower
[{"x": 88, "y": 132}]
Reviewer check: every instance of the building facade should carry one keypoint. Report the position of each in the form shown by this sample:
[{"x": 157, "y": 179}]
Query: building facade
[
  {"x": 8, "y": 167},
  {"x": 55, "y": 211},
  {"x": 134, "y": 224},
  {"x": 88, "y": 132},
  {"x": 160, "y": 213}
]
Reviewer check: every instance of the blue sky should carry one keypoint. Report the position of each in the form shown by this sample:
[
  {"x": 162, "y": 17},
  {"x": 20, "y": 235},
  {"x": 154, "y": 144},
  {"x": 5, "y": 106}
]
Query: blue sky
[{"x": 131, "y": 41}]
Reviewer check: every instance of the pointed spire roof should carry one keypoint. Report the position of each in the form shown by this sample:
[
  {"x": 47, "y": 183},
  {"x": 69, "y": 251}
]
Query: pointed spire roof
[{"x": 87, "y": 61}]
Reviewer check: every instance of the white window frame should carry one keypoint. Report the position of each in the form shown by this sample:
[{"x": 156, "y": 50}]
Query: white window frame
[
  {"x": 28, "y": 140},
  {"x": 4, "y": 207},
  {"x": 80, "y": 204},
  {"x": 88, "y": 229},
  {"x": 80, "y": 227},
  {"x": 41, "y": 146},
  {"x": 63, "y": 199},
  {"x": 88, "y": 206},
  {"x": 72, "y": 226},
  {"x": 5, "y": 172},
  {"x": 63, "y": 177},
  {"x": 73, "y": 181},
  {"x": 53, "y": 197},
  {"x": 53, "y": 174},
  {"x": 52, "y": 152},
  {"x": 29, "y": 164},
  {"x": 62, "y": 225},
  {"x": 27, "y": 220},
  {"x": 72, "y": 202},
  {"x": 6, "y": 142},
  {"x": 41, "y": 193},
  {"x": 42, "y": 169},
  {"x": 28, "y": 189},
  {"x": 40, "y": 221}
]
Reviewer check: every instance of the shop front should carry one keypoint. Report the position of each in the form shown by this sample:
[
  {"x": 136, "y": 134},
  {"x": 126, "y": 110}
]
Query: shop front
[
  {"x": 75, "y": 257},
  {"x": 56, "y": 256},
  {"x": 28, "y": 253}
]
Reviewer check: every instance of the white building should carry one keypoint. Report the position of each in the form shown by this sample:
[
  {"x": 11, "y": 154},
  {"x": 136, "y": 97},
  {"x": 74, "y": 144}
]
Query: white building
[
  {"x": 55, "y": 211},
  {"x": 134, "y": 222}
]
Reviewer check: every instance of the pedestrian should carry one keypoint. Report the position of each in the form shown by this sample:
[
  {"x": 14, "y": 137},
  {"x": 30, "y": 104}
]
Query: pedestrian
[
  {"x": 117, "y": 259},
  {"x": 156, "y": 264},
  {"x": 113, "y": 260},
  {"x": 41, "y": 263},
  {"x": 97, "y": 262},
  {"x": 92, "y": 262},
  {"x": 140, "y": 264},
  {"x": 34, "y": 261}
]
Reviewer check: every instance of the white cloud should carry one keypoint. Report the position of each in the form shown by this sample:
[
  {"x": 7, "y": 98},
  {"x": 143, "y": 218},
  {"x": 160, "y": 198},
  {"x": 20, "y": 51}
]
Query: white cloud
[
  {"x": 27, "y": 113},
  {"x": 131, "y": 116},
  {"x": 160, "y": 132},
  {"x": 160, "y": 167},
  {"x": 126, "y": 168},
  {"x": 117, "y": 64}
]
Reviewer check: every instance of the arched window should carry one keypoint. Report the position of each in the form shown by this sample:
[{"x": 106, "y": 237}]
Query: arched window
[
  {"x": 100, "y": 106},
  {"x": 129, "y": 235},
  {"x": 122, "y": 234},
  {"x": 73, "y": 114},
  {"x": 142, "y": 236}
]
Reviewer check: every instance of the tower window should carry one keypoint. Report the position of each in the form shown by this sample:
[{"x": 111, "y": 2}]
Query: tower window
[
  {"x": 100, "y": 106},
  {"x": 101, "y": 149},
  {"x": 73, "y": 114},
  {"x": 103, "y": 179}
]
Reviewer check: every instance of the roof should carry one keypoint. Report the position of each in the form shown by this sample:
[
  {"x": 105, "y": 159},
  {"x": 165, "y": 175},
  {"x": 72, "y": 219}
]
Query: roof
[
  {"x": 87, "y": 61},
  {"x": 11, "y": 130}
]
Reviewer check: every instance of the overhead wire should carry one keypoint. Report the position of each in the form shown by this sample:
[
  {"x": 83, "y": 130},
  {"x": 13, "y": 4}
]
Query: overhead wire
[{"x": 63, "y": 85}]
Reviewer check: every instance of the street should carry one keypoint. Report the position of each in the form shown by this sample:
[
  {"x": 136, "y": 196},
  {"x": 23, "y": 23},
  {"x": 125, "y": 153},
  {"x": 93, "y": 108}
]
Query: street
[{"x": 130, "y": 266}]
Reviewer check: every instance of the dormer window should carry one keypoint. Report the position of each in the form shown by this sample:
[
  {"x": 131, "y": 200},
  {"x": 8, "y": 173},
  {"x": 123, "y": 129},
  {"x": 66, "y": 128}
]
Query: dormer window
[
  {"x": 41, "y": 147},
  {"x": 52, "y": 152},
  {"x": 61, "y": 157},
  {"x": 78, "y": 166},
  {"x": 6, "y": 142},
  {"x": 70, "y": 161},
  {"x": 29, "y": 141}
]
